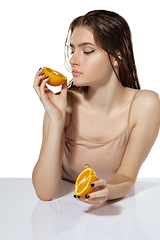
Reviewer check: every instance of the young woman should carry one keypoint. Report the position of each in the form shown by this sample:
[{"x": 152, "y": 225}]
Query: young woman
[{"x": 102, "y": 119}]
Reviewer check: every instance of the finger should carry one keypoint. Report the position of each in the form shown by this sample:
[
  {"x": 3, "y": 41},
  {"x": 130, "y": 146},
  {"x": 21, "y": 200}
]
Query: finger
[
  {"x": 93, "y": 201},
  {"x": 98, "y": 194},
  {"x": 96, "y": 201},
  {"x": 39, "y": 72},
  {"x": 99, "y": 182},
  {"x": 42, "y": 87},
  {"x": 37, "y": 82},
  {"x": 87, "y": 165},
  {"x": 64, "y": 90}
]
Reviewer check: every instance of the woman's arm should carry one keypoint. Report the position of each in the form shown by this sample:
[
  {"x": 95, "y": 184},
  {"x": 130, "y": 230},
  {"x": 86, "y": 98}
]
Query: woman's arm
[
  {"x": 145, "y": 121},
  {"x": 146, "y": 124},
  {"x": 47, "y": 171}
]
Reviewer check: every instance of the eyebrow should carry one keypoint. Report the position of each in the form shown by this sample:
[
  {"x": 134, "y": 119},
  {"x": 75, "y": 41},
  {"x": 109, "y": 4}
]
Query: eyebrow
[{"x": 82, "y": 44}]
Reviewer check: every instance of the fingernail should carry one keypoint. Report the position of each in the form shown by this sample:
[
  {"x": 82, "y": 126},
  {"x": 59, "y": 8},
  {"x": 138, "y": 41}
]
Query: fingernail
[
  {"x": 87, "y": 196},
  {"x": 92, "y": 184},
  {"x": 40, "y": 68},
  {"x": 78, "y": 197},
  {"x": 42, "y": 74},
  {"x": 47, "y": 77},
  {"x": 74, "y": 196},
  {"x": 86, "y": 165}
]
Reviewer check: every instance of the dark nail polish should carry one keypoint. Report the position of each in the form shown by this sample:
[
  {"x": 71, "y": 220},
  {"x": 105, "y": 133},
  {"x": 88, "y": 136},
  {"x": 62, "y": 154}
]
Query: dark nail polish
[
  {"x": 42, "y": 74},
  {"x": 87, "y": 196},
  {"x": 47, "y": 77},
  {"x": 92, "y": 184},
  {"x": 74, "y": 196},
  {"x": 86, "y": 164},
  {"x": 78, "y": 196},
  {"x": 40, "y": 68}
]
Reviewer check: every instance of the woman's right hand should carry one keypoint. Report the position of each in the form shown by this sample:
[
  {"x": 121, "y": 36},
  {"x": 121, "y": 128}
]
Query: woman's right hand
[{"x": 55, "y": 105}]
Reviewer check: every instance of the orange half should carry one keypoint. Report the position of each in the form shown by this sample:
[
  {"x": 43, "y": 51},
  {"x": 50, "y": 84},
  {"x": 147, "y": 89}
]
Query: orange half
[
  {"x": 55, "y": 78},
  {"x": 83, "y": 182}
]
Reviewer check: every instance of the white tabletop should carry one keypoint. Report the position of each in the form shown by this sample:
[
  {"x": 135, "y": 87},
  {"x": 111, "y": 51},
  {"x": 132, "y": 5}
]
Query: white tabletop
[{"x": 24, "y": 217}]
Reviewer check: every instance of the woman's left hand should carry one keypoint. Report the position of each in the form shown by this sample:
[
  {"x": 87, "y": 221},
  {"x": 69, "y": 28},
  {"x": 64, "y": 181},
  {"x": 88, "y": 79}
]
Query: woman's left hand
[{"x": 99, "y": 195}]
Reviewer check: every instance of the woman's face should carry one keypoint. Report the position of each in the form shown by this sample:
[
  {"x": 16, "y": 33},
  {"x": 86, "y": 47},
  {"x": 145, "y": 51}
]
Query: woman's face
[{"x": 90, "y": 65}]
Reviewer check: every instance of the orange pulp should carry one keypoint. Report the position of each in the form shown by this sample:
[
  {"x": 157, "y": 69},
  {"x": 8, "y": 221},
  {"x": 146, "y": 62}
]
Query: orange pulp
[{"x": 83, "y": 182}]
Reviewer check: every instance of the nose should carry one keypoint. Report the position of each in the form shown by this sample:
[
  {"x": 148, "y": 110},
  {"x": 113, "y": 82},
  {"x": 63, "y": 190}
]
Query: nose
[{"x": 74, "y": 60}]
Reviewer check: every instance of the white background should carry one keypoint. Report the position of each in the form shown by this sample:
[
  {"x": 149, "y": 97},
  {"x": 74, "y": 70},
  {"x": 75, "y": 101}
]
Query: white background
[{"x": 32, "y": 36}]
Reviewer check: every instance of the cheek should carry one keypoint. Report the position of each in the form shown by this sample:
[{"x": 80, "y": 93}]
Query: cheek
[{"x": 99, "y": 66}]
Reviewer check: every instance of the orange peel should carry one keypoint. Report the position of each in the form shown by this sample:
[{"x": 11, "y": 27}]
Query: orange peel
[{"x": 55, "y": 78}]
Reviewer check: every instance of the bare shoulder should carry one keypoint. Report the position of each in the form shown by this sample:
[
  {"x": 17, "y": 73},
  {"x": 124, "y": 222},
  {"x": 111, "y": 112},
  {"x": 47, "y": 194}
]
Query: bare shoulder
[
  {"x": 148, "y": 100},
  {"x": 149, "y": 95},
  {"x": 146, "y": 106}
]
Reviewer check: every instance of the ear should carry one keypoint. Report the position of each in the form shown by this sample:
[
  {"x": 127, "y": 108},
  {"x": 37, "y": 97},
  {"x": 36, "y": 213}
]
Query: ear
[{"x": 115, "y": 62}]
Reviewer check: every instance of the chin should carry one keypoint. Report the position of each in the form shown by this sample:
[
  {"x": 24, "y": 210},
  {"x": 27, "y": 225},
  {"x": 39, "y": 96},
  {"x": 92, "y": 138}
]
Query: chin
[{"x": 79, "y": 83}]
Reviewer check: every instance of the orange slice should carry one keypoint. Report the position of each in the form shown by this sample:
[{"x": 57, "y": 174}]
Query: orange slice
[
  {"x": 55, "y": 78},
  {"x": 83, "y": 182}
]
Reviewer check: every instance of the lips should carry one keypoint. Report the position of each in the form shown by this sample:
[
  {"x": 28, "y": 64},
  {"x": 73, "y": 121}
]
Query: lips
[{"x": 76, "y": 73}]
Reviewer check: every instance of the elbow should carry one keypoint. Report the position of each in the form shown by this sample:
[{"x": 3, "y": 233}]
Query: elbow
[
  {"x": 127, "y": 187},
  {"x": 44, "y": 190},
  {"x": 46, "y": 196}
]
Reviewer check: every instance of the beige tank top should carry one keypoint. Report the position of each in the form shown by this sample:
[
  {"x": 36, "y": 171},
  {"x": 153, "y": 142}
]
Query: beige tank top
[{"x": 104, "y": 157}]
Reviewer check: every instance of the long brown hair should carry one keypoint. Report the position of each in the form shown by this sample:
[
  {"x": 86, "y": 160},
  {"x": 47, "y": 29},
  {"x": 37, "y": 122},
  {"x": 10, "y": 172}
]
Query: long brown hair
[{"x": 112, "y": 34}]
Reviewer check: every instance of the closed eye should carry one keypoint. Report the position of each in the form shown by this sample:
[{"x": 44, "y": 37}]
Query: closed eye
[{"x": 89, "y": 52}]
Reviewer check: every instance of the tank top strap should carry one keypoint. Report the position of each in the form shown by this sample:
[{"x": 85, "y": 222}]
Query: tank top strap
[{"x": 131, "y": 105}]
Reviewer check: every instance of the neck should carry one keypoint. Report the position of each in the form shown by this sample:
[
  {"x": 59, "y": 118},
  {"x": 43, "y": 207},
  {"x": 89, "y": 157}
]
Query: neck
[{"x": 106, "y": 97}]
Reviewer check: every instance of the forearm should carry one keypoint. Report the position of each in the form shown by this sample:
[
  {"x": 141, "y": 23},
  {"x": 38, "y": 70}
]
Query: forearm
[
  {"x": 47, "y": 172},
  {"x": 119, "y": 187}
]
